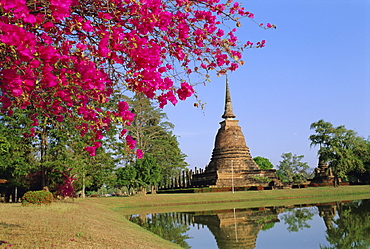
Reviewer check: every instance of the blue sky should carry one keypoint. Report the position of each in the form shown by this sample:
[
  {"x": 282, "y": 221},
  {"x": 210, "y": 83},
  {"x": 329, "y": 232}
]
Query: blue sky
[{"x": 316, "y": 65}]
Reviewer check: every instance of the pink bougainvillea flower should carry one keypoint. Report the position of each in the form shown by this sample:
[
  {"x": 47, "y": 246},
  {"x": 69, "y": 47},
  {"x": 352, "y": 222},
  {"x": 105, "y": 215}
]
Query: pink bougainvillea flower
[
  {"x": 87, "y": 26},
  {"x": 185, "y": 91},
  {"x": 139, "y": 154},
  {"x": 60, "y": 8},
  {"x": 123, "y": 132},
  {"x": 130, "y": 142},
  {"x": 67, "y": 58},
  {"x": 91, "y": 150}
]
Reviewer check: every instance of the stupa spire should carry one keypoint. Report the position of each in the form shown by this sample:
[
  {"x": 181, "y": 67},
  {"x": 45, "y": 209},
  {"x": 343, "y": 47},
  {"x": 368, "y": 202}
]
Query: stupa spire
[{"x": 228, "y": 114}]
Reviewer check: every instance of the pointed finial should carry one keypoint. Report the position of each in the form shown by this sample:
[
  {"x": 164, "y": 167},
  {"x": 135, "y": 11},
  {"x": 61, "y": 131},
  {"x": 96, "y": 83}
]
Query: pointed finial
[{"x": 228, "y": 114}]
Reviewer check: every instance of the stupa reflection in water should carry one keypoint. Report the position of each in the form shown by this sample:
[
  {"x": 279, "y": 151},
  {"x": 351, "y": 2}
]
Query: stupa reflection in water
[{"x": 237, "y": 228}]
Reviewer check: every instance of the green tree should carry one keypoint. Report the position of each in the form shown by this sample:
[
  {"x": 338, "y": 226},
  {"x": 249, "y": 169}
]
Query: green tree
[
  {"x": 153, "y": 134},
  {"x": 149, "y": 173},
  {"x": 126, "y": 177},
  {"x": 62, "y": 155},
  {"x": 366, "y": 160},
  {"x": 94, "y": 172},
  {"x": 363, "y": 176},
  {"x": 291, "y": 169},
  {"x": 17, "y": 156},
  {"x": 54, "y": 152},
  {"x": 148, "y": 124},
  {"x": 167, "y": 152},
  {"x": 263, "y": 162},
  {"x": 341, "y": 148}
]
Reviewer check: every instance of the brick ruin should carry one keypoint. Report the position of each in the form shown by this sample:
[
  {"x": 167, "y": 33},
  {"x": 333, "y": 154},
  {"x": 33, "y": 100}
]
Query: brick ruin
[
  {"x": 323, "y": 174},
  {"x": 231, "y": 163}
]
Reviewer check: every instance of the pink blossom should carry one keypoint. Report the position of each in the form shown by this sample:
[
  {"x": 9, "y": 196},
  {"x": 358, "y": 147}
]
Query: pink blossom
[
  {"x": 220, "y": 32},
  {"x": 72, "y": 63},
  {"x": 122, "y": 106},
  {"x": 60, "y": 8},
  {"x": 123, "y": 132},
  {"x": 6, "y": 102},
  {"x": 185, "y": 91},
  {"x": 29, "y": 18},
  {"x": 103, "y": 47},
  {"x": 105, "y": 15},
  {"x": 31, "y": 133},
  {"x": 98, "y": 135},
  {"x": 60, "y": 118},
  {"x": 167, "y": 83},
  {"x": 139, "y": 153},
  {"x": 91, "y": 150},
  {"x": 48, "y": 25},
  {"x": 131, "y": 143},
  {"x": 87, "y": 26}
]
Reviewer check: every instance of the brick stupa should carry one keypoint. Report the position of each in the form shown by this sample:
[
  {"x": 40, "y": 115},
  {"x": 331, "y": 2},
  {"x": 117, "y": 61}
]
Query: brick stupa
[
  {"x": 231, "y": 163},
  {"x": 323, "y": 174}
]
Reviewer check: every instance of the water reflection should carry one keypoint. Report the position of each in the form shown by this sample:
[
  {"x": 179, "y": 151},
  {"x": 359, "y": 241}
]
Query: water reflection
[
  {"x": 351, "y": 229},
  {"x": 169, "y": 226},
  {"x": 296, "y": 218},
  {"x": 343, "y": 225},
  {"x": 237, "y": 228}
]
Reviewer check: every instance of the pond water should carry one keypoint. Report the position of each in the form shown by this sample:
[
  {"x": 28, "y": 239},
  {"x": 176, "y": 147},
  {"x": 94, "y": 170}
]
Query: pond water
[{"x": 327, "y": 225}]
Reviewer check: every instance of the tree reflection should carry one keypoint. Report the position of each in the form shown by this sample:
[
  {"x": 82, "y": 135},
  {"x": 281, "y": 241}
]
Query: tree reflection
[
  {"x": 266, "y": 222},
  {"x": 165, "y": 225},
  {"x": 352, "y": 228},
  {"x": 268, "y": 226},
  {"x": 297, "y": 218}
]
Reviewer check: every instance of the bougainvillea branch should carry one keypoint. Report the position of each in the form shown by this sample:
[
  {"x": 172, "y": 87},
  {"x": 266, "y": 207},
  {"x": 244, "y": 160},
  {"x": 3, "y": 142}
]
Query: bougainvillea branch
[{"x": 64, "y": 58}]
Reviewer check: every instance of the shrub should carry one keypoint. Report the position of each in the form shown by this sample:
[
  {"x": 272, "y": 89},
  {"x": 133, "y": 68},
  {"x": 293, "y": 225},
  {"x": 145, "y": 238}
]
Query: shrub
[
  {"x": 37, "y": 198},
  {"x": 259, "y": 178}
]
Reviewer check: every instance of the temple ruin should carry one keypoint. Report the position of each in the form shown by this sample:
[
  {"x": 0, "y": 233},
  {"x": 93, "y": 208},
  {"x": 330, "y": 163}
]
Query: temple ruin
[
  {"x": 231, "y": 163},
  {"x": 323, "y": 174}
]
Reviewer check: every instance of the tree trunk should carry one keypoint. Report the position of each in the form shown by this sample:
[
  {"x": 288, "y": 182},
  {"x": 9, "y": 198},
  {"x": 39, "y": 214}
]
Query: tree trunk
[
  {"x": 83, "y": 195},
  {"x": 15, "y": 196},
  {"x": 336, "y": 181},
  {"x": 143, "y": 190},
  {"x": 9, "y": 195},
  {"x": 153, "y": 189},
  {"x": 43, "y": 148}
]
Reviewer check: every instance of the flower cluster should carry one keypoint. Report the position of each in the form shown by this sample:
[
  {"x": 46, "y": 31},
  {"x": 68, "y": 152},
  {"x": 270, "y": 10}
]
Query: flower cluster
[
  {"x": 66, "y": 189},
  {"x": 67, "y": 58}
]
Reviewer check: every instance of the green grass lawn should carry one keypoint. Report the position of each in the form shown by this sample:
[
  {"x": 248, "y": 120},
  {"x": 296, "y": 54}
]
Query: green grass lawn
[{"x": 142, "y": 204}]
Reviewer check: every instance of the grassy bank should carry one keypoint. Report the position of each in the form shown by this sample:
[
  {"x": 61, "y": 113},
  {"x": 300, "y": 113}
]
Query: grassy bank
[
  {"x": 72, "y": 224},
  {"x": 100, "y": 223},
  {"x": 223, "y": 200}
]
